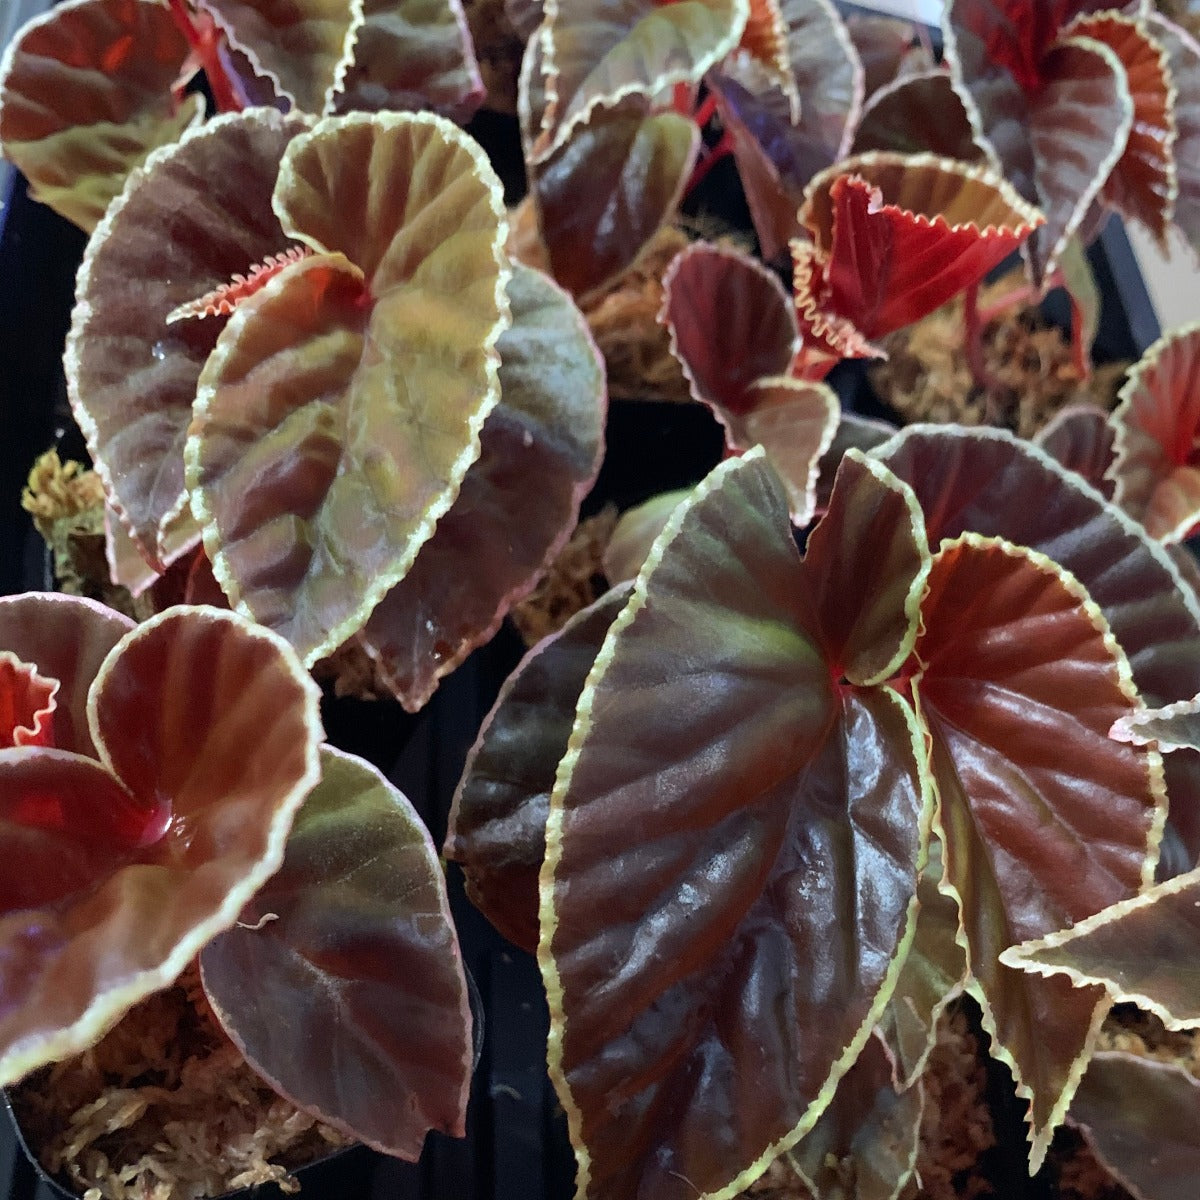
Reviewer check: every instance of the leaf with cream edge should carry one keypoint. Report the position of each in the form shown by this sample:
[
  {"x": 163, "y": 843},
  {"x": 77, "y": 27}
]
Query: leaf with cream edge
[
  {"x": 1143, "y": 184},
  {"x": 304, "y": 47},
  {"x": 354, "y": 940},
  {"x": 415, "y": 54},
  {"x": 195, "y": 214},
  {"x": 497, "y": 825},
  {"x": 343, "y": 404},
  {"x": 1157, "y": 422},
  {"x": 1141, "y": 1118},
  {"x": 1183, "y": 58},
  {"x": 987, "y": 481},
  {"x": 27, "y": 703},
  {"x": 86, "y": 95},
  {"x": 608, "y": 191},
  {"x": 1055, "y": 111},
  {"x": 635, "y": 533},
  {"x": 541, "y": 450},
  {"x": 917, "y": 114},
  {"x": 765, "y": 40},
  {"x": 1082, "y": 438},
  {"x": 864, "y": 1145},
  {"x": 852, "y": 433},
  {"x": 933, "y": 974},
  {"x": 741, "y": 804},
  {"x": 894, "y": 237},
  {"x": 1015, "y": 663},
  {"x": 597, "y": 52},
  {"x": 206, "y": 728}
]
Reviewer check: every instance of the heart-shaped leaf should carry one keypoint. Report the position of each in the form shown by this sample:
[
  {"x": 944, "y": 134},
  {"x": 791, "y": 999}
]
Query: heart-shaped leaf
[
  {"x": 207, "y": 731},
  {"x": 916, "y": 114},
  {"x": 1142, "y": 185},
  {"x": 1157, "y": 469},
  {"x": 354, "y": 940},
  {"x": 1142, "y": 951},
  {"x": 896, "y": 236},
  {"x": 864, "y": 1145},
  {"x": 342, "y": 405},
  {"x": 86, "y": 95},
  {"x": 604, "y": 195},
  {"x": 597, "y": 52},
  {"x": 412, "y": 54},
  {"x": 1017, "y": 668},
  {"x": 1082, "y": 438},
  {"x": 1141, "y": 1117},
  {"x": 497, "y": 826},
  {"x": 195, "y": 215},
  {"x": 989, "y": 482},
  {"x": 732, "y": 796},
  {"x": 541, "y": 449}
]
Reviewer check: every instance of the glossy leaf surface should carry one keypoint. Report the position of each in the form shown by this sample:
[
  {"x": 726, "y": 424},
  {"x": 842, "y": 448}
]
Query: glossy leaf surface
[
  {"x": 992, "y": 484},
  {"x": 896, "y": 236},
  {"x": 541, "y": 449},
  {"x": 497, "y": 827},
  {"x": 597, "y": 52},
  {"x": 1017, "y": 668},
  {"x": 196, "y": 215},
  {"x": 731, "y": 325},
  {"x": 610, "y": 189},
  {"x": 1157, "y": 424},
  {"x": 1142, "y": 950},
  {"x": 353, "y": 939},
  {"x": 342, "y": 407},
  {"x": 740, "y": 809},
  {"x": 85, "y": 96},
  {"x": 207, "y": 732},
  {"x": 415, "y": 54},
  {"x": 1142, "y": 1119},
  {"x": 1082, "y": 438},
  {"x": 864, "y": 1145}
]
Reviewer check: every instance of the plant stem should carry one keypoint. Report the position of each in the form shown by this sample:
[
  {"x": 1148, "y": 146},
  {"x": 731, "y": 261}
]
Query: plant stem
[
  {"x": 709, "y": 159},
  {"x": 205, "y": 42}
]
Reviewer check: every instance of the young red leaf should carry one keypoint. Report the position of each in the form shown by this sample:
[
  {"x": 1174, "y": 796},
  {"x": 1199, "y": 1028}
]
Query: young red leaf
[
  {"x": 1157, "y": 469},
  {"x": 352, "y": 938},
  {"x": 86, "y": 95},
  {"x": 865, "y": 1143},
  {"x": 207, "y": 730},
  {"x": 765, "y": 39},
  {"x": 1141, "y": 1117},
  {"x": 342, "y": 406},
  {"x": 27, "y": 704},
  {"x": 497, "y": 827},
  {"x": 597, "y": 52},
  {"x": 602, "y": 197},
  {"x": 1143, "y": 951},
  {"x": 1017, "y": 667},
  {"x": 718, "y": 803},
  {"x": 541, "y": 449},
  {"x": 195, "y": 215},
  {"x": 989, "y": 482}
]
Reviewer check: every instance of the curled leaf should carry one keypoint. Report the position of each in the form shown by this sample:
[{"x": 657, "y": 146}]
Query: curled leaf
[
  {"x": 1082, "y": 437},
  {"x": 342, "y": 406},
  {"x": 27, "y": 704},
  {"x": 86, "y": 95},
  {"x": 363, "y": 958}
]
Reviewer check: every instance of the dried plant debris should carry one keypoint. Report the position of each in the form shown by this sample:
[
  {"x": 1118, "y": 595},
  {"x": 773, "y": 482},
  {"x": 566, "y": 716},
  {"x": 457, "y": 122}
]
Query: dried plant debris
[
  {"x": 575, "y": 579},
  {"x": 623, "y": 318},
  {"x": 165, "y": 1108},
  {"x": 351, "y": 671},
  {"x": 1077, "y": 1173},
  {"x": 926, "y": 376}
]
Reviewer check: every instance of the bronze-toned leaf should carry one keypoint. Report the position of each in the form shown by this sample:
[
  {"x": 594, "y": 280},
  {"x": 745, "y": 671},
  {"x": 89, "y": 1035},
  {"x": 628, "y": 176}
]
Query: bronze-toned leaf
[
  {"x": 597, "y": 52},
  {"x": 27, "y": 704},
  {"x": 1019, "y": 674},
  {"x": 86, "y": 95},
  {"x": 884, "y": 46},
  {"x": 605, "y": 194},
  {"x": 354, "y": 941},
  {"x": 1082, "y": 438},
  {"x": 635, "y": 533},
  {"x": 195, "y": 215},
  {"x": 1157, "y": 469},
  {"x": 918, "y": 113},
  {"x": 719, "y": 804},
  {"x": 497, "y": 827},
  {"x": 207, "y": 731},
  {"x": 343, "y": 404},
  {"x": 541, "y": 449},
  {"x": 852, "y": 433},
  {"x": 412, "y": 54},
  {"x": 864, "y": 1145}
]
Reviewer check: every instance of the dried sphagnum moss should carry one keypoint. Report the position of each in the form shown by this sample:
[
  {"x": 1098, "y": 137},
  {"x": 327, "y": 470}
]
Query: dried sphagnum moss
[
  {"x": 164, "y": 1107},
  {"x": 926, "y": 376}
]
